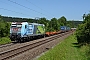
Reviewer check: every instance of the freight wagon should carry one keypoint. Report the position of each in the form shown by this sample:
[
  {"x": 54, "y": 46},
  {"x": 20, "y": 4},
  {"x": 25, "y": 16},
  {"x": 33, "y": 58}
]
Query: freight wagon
[
  {"x": 22, "y": 31},
  {"x": 64, "y": 29}
]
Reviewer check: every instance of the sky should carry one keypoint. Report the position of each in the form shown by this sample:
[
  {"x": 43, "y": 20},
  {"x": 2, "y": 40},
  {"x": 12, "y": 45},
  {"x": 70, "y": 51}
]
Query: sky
[{"x": 71, "y": 9}]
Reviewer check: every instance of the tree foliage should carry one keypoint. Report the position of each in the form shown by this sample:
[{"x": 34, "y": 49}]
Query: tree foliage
[
  {"x": 4, "y": 28},
  {"x": 62, "y": 21},
  {"x": 54, "y": 24},
  {"x": 83, "y": 30}
]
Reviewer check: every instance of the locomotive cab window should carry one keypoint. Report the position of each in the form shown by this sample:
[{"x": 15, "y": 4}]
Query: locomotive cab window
[
  {"x": 19, "y": 25},
  {"x": 16, "y": 25},
  {"x": 25, "y": 26}
]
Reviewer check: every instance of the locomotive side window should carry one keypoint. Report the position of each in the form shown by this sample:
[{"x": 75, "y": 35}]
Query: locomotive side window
[{"x": 25, "y": 26}]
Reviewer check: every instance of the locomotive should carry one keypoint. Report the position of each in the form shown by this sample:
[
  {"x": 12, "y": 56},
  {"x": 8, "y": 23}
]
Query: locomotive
[{"x": 22, "y": 31}]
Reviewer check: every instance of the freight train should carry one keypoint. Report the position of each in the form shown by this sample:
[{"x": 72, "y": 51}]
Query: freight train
[
  {"x": 21, "y": 31},
  {"x": 24, "y": 31}
]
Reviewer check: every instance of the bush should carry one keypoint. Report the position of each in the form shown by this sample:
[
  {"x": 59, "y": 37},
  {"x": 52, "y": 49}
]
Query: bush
[
  {"x": 4, "y": 28},
  {"x": 5, "y": 40},
  {"x": 83, "y": 31}
]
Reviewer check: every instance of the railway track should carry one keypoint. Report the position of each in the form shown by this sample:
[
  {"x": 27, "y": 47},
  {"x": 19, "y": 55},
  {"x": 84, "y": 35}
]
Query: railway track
[
  {"x": 6, "y": 45},
  {"x": 16, "y": 51}
]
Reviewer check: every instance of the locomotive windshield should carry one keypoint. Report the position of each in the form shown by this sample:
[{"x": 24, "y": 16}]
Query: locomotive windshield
[
  {"x": 16, "y": 25},
  {"x": 19, "y": 26}
]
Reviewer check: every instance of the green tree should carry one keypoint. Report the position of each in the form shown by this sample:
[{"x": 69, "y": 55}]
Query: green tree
[
  {"x": 83, "y": 31},
  {"x": 4, "y": 28},
  {"x": 43, "y": 21},
  {"x": 62, "y": 21},
  {"x": 53, "y": 25}
]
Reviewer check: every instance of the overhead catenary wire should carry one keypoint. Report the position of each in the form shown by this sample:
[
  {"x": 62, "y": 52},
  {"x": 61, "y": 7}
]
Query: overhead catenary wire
[
  {"x": 14, "y": 11},
  {"x": 38, "y": 7},
  {"x": 27, "y": 7},
  {"x": 10, "y": 5}
]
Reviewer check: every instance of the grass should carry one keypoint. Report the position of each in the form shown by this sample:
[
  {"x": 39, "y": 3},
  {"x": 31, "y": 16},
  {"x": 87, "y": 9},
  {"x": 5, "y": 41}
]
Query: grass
[
  {"x": 4, "y": 40},
  {"x": 66, "y": 50}
]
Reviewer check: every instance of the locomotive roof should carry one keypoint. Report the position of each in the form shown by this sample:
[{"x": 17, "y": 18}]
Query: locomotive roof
[
  {"x": 36, "y": 24},
  {"x": 26, "y": 22}
]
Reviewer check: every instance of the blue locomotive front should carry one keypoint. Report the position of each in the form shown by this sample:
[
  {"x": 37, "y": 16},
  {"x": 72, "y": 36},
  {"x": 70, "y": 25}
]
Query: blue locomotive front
[{"x": 18, "y": 30}]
